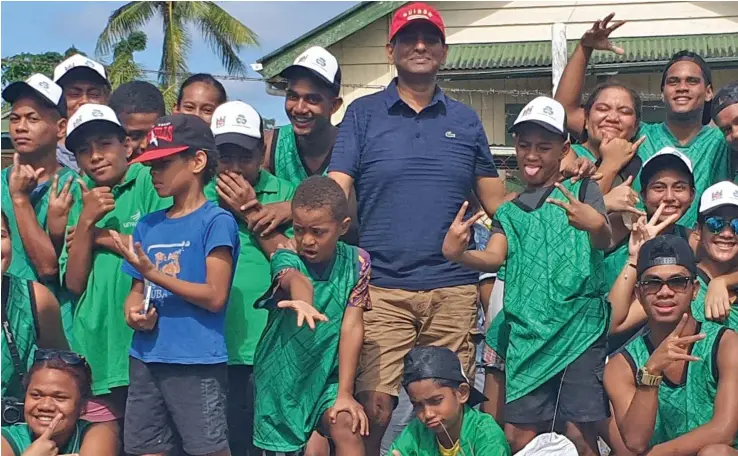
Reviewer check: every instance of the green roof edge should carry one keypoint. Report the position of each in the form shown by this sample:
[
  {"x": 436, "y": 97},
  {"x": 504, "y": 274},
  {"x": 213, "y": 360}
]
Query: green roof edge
[{"x": 326, "y": 34}]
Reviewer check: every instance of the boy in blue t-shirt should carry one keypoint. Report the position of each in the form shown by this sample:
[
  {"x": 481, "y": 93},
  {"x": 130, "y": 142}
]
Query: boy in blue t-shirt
[{"x": 182, "y": 262}]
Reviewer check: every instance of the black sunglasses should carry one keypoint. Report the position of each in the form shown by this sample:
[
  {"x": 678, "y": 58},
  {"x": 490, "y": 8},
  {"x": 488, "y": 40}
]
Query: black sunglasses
[
  {"x": 654, "y": 285},
  {"x": 68, "y": 357},
  {"x": 716, "y": 224}
]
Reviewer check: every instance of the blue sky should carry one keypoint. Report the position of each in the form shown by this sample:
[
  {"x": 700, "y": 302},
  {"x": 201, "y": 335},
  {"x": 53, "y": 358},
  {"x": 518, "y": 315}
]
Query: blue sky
[{"x": 55, "y": 26}]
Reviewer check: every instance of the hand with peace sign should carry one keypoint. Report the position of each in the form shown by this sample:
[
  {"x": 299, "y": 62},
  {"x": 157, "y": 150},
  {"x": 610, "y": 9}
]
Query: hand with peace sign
[
  {"x": 60, "y": 203},
  {"x": 674, "y": 348},
  {"x": 134, "y": 255},
  {"x": 43, "y": 445},
  {"x": 581, "y": 216},
  {"x": 459, "y": 233},
  {"x": 598, "y": 37},
  {"x": 95, "y": 203},
  {"x": 642, "y": 231},
  {"x": 23, "y": 178},
  {"x": 304, "y": 311},
  {"x": 623, "y": 199}
]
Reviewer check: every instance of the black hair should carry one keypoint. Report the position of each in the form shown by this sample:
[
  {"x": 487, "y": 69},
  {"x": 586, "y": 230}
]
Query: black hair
[
  {"x": 137, "y": 97},
  {"x": 318, "y": 192},
  {"x": 80, "y": 372},
  {"x": 211, "y": 168},
  {"x": 303, "y": 73},
  {"x": 613, "y": 84},
  {"x": 205, "y": 78},
  {"x": 690, "y": 57},
  {"x": 443, "y": 383}
]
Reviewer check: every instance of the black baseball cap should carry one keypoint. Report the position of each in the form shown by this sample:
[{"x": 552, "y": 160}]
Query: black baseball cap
[
  {"x": 726, "y": 96},
  {"x": 667, "y": 249},
  {"x": 440, "y": 363},
  {"x": 174, "y": 134}
]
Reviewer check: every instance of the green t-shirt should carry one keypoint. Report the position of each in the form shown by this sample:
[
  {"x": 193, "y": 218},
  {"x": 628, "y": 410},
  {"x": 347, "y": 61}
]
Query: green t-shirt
[
  {"x": 19, "y": 304},
  {"x": 20, "y": 437},
  {"x": 244, "y": 322},
  {"x": 286, "y": 159},
  {"x": 698, "y": 305},
  {"x": 553, "y": 274},
  {"x": 689, "y": 405},
  {"x": 708, "y": 151},
  {"x": 296, "y": 369},
  {"x": 20, "y": 265},
  {"x": 480, "y": 435},
  {"x": 100, "y": 332}
]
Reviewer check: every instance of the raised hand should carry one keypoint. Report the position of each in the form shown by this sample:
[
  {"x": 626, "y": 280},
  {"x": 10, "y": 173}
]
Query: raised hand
[
  {"x": 305, "y": 312},
  {"x": 642, "y": 231},
  {"x": 579, "y": 169},
  {"x": 459, "y": 233},
  {"x": 23, "y": 178},
  {"x": 623, "y": 199},
  {"x": 44, "y": 445},
  {"x": 234, "y": 191},
  {"x": 95, "y": 203},
  {"x": 133, "y": 254},
  {"x": 581, "y": 216},
  {"x": 618, "y": 152},
  {"x": 674, "y": 348},
  {"x": 598, "y": 37},
  {"x": 717, "y": 300},
  {"x": 347, "y": 403}
]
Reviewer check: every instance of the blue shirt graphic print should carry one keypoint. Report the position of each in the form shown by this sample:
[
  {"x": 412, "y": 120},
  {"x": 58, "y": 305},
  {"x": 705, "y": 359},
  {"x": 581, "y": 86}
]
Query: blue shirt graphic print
[{"x": 184, "y": 333}]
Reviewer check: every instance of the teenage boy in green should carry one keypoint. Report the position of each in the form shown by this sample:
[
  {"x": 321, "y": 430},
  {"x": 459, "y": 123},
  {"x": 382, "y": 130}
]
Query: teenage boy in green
[
  {"x": 551, "y": 239},
  {"x": 239, "y": 135},
  {"x": 446, "y": 423},
  {"x": 115, "y": 195},
  {"x": 674, "y": 390},
  {"x": 182, "y": 261},
  {"x": 304, "y": 377},
  {"x": 38, "y": 192},
  {"x": 725, "y": 116}
]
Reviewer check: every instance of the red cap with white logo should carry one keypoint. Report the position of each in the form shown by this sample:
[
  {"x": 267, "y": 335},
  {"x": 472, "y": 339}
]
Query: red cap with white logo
[{"x": 416, "y": 12}]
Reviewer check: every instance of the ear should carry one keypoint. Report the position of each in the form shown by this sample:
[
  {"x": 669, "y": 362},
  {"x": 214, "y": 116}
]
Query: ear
[
  {"x": 199, "y": 161},
  {"x": 390, "y": 52},
  {"x": 565, "y": 148},
  {"x": 128, "y": 146},
  {"x": 337, "y": 103},
  {"x": 463, "y": 393},
  {"x": 345, "y": 225},
  {"x": 695, "y": 289},
  {"x": 61, "y": 124},
  {"x": 709, "y": 93}
]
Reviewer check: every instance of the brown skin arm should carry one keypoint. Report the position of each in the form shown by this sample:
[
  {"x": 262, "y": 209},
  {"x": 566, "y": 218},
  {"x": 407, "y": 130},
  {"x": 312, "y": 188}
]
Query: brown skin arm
[
  {"x": 488, "y": 260},
  {"x": 349, "y": 347},
  {"x": 79, "y": 261},
  {"x": 570, "y": 88},
  {"x": 101, "y": 438},
  {"x": 491, "y": 193},
  {"x": 38, "y": 245},
  {"x": 270, "y": 242},
  {"x": 266, "y": 164},
  {"x": 723, "y": 426},
  {"x": 635, "y": 408},
  {"x": 51, "y": 333},
  {"x": 7, "y": 450},
  {"x": 297, "y": 286}
]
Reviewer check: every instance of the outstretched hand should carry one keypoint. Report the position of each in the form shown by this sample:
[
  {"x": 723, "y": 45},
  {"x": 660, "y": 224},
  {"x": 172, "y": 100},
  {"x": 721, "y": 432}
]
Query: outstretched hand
[
  {"x": 305, "y": 312},
  {"x": 133, "y": 254},
  {"x": 598, "y": 37}
]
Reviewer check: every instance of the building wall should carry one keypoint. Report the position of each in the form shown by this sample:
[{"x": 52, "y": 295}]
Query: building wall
[{"x": 364, "y": 61}]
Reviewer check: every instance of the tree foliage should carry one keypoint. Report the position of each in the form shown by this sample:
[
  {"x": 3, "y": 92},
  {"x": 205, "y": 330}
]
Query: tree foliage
[
  {"x": 19, "y": 67},
  {"x": 124, "y": 68}
]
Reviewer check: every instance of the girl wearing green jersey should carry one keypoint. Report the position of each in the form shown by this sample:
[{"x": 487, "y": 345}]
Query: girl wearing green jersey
[
  {"x": 674, "y": 390},
  {"x": 58, "y": 386}
]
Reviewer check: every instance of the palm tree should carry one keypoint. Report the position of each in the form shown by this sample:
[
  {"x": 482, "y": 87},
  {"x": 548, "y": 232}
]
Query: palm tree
[
  {"x": 224, "y": 33},
  {"x": 123, "y": 67}
]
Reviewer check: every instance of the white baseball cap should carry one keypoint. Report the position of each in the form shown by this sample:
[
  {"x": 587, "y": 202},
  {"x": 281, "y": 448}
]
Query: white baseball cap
[
  {"x": 89, "y": 116},
  {"x": 236, "y": 122},
  {"x": 319, "y": 62},
  {"x": 41, "y": 85},
  {"x": 721, "y": 194},
  {"x": 544, "y": 112},
  {"x": 79, "y": 63},
  {"x": 666, "y": 158}
]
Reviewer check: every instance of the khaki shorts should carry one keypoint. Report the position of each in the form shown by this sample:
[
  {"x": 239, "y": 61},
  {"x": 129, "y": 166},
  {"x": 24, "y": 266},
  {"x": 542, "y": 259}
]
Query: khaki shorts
[{"x": 400, "y": 320}]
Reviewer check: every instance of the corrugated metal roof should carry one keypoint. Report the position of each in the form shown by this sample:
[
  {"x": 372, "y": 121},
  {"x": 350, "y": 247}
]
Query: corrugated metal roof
[{"x": 464, "y": 57}]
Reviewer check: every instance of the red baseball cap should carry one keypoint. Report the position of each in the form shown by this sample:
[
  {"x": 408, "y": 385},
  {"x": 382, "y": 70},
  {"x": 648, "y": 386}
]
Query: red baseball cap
[{"x": 416, "y": 12}]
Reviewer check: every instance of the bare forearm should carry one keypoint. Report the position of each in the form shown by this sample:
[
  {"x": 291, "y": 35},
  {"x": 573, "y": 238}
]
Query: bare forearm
[
  {"x": 638, "y": 424},
  {"x": 36, "y": 242},
  {"x": 79, "y": 261},
  {"x": 601, "y": 236},
  {"x": 270, "y": 243},
  {"x": 104, "y": 240},
  {"x": 621, "y": 294},
  {"x": 349, "y": 349},
  {"x": 57, "y": 234},
  {"x": 571, "y": 85},
  {"x": 619, "y": 230},
  {"x": 298, "y": 287},
  {"x": 608, "y": 177},
  {"x": 204, "y": 295},
  {"x": 692, "y": 442},
  {"x": 481, "y": 260}
]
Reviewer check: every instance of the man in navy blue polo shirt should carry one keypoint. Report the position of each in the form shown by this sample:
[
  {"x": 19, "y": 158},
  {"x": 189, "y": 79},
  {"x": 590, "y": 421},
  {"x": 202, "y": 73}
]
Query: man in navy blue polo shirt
[{"x": 414, "y": 156}]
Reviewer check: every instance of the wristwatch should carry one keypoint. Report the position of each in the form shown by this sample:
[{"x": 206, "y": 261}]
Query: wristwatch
[{"x": 643, "y": 378}]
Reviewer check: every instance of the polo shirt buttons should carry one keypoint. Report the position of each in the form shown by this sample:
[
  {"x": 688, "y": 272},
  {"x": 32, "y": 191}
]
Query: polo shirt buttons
[{"x": 417, "y": 135}]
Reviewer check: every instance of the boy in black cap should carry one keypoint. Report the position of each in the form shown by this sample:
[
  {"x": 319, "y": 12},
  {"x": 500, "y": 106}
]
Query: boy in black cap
[
  {"x": 725, "y": 116},
  {"x": 182, "y": 261},
  {"x": 675, "y": 390},
  {"x": 446, "y": 423}
]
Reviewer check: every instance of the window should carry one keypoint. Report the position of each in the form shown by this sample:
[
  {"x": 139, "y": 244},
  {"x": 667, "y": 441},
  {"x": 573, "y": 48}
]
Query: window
[
  {"x": 511, "y": 113},
  {"x": 653, "y": 112}
]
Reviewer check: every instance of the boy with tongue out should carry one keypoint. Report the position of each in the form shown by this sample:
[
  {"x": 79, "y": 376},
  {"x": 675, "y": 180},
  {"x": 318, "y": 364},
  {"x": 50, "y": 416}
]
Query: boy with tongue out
[{"x": 551, "y": 239}]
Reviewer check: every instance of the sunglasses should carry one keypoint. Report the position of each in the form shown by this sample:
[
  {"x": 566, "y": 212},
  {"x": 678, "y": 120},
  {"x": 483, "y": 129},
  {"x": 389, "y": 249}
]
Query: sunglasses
[
  {"x": 675, "y": 284},
  {"x": 716, "y": 224},
  {"x": 71, "y": 358}
]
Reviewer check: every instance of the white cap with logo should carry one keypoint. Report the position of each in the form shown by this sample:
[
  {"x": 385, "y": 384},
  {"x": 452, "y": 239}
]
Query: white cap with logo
[
  {"x": 721, "y": 194},
  {"x": 43, "y": 86},
  {"x": 79, "y": 62},
  {"x": 666, "y": 158},
  {"x": 544, "y": 112},
  {"x": 236, "y": 122},
  {"x": 320, "y": 62},
  {"x": 86, "y": 116}
]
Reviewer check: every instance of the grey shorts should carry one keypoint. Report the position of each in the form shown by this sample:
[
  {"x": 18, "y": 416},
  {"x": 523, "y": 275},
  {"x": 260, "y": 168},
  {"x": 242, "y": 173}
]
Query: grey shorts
[{"x": 173, "y": 403}]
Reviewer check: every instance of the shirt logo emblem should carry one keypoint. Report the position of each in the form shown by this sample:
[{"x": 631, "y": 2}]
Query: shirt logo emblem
[{"x": 450, "y": 134}]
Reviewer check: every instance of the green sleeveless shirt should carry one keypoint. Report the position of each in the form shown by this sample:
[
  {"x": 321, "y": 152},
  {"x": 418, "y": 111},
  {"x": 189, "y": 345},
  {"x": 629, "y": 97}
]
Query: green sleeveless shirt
[
  {"x": 19, "y": 306},
  {"x": 20, "y": 437},
  {"x": 296, "y": 369},
  {"x": 286, "y": 159},
  {"x": 554, "y": 275},
  {"x": 689, "y": 405},
  {"x": 698, "y": 305}
]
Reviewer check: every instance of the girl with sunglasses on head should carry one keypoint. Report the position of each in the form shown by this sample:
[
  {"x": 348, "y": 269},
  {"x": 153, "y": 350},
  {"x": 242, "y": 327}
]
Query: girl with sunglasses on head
[{"x": 57, "y": 389}]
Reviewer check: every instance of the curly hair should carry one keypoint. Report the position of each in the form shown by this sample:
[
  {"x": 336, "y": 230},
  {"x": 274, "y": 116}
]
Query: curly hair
[
  {"x": 137, "y": 97},
  {"x": 318, "y": 192}
]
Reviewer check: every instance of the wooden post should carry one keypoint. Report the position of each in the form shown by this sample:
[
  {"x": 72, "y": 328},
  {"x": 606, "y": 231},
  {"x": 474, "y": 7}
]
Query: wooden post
[{"x": 559, "y": 53}]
